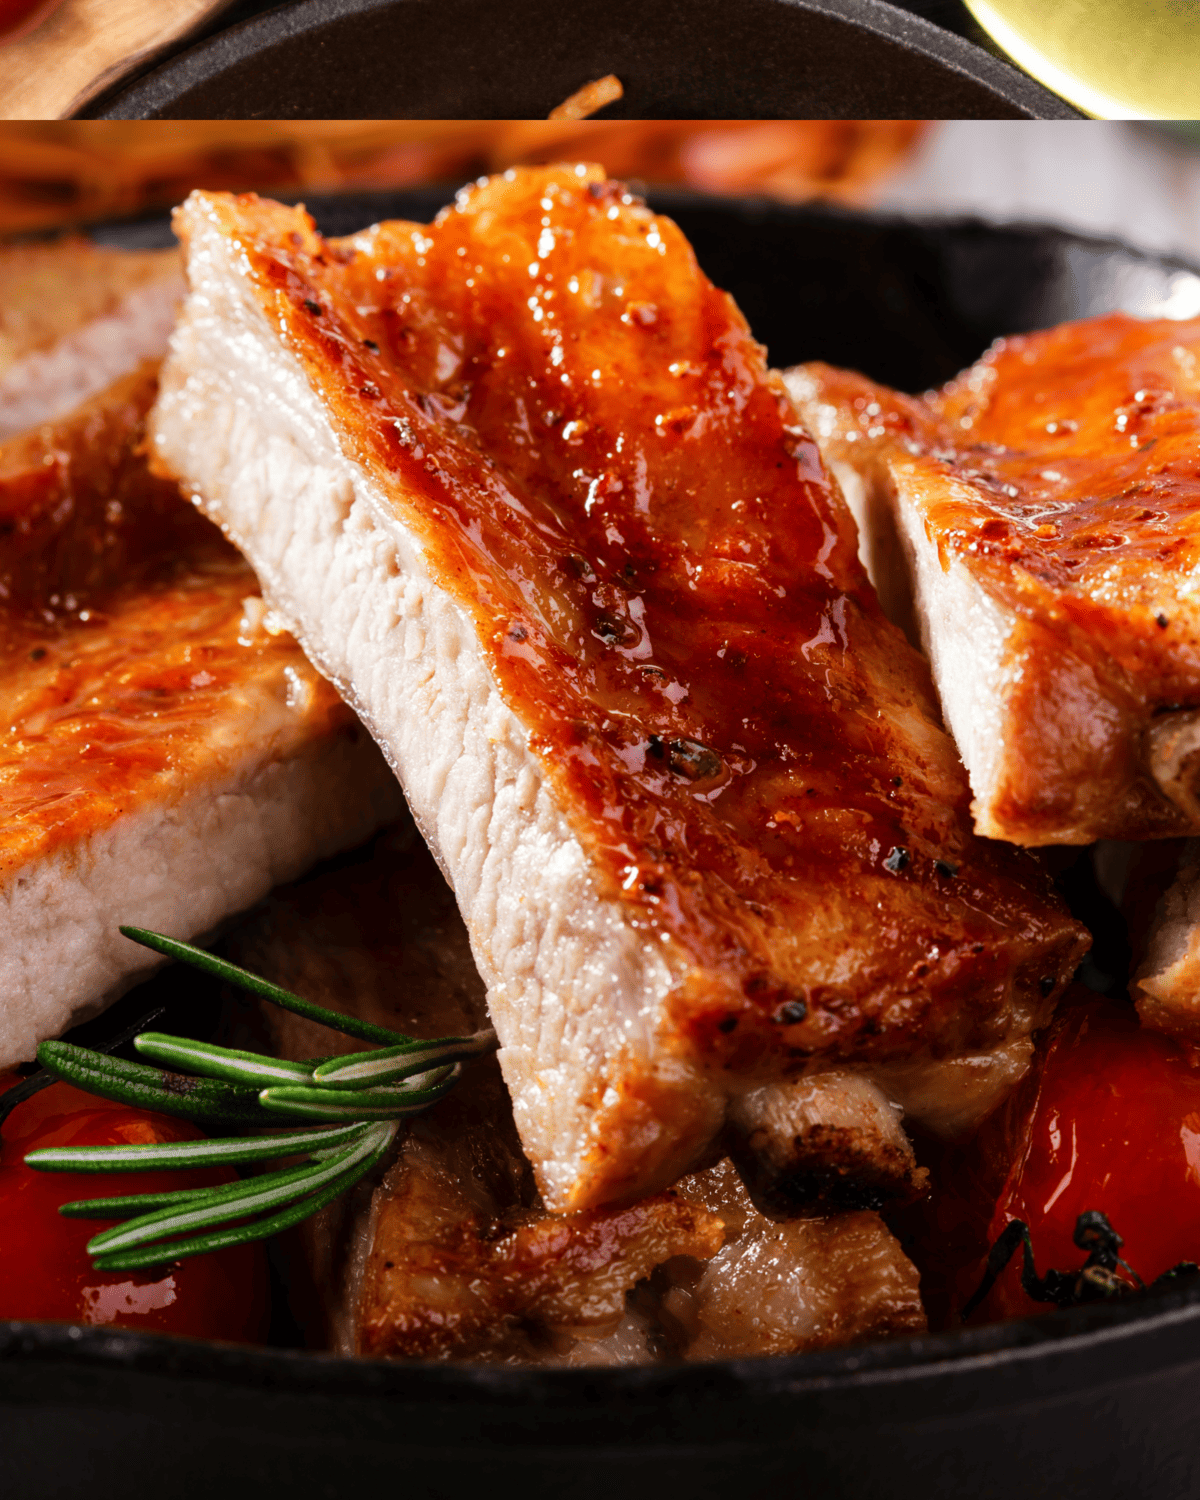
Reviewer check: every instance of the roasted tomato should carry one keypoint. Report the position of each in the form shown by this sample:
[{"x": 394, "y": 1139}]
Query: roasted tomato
[
  {"x": 1108, "y": 1119},
  {"x": 45, "y": 1272},
  {"x": 20, "y": 16}
]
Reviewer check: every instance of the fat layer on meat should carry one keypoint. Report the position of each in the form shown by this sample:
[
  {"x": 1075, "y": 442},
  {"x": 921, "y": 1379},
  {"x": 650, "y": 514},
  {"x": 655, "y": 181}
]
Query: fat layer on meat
[
  {"x": 165, "y": 757},
  {"x": 1036, "y": 523},
  {"x": 74, "y": 317},
  {"x": 522, "y": 485},
  {"x": 450, "y": 1252},
  {"x": 1166, "y": 986},
  {"x": 777, "y": 1287}
]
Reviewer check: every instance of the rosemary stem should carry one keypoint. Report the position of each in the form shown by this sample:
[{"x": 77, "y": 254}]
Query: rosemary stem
[
  {"x": 231, "y": 1151},
  {"x": 245, "y": 1198},
  {"x": 152, "y": 1255},
  {"x": 200, "y": 958}
]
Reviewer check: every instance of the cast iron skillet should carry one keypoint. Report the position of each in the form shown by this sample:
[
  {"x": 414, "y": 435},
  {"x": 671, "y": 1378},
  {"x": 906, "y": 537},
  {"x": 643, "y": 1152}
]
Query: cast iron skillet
[
  {"x": 1097, "y": 1403},
  {"x": 517, "y": 59}
]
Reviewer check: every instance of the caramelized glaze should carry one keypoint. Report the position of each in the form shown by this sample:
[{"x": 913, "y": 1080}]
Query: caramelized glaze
[
  {"x": 583, "y": 434},
  {"x": 132, "y": 653},
  {"x": 1063, "y": 471}
]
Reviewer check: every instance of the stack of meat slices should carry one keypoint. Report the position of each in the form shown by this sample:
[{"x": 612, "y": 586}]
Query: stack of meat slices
[
  {"x": 1035, "y": 523},
  {"x": 523, "y": 487},
  {"x": 452, "y": 1254},
  {"x": 74, "y": 317},
  {"x": 166, "y": 757}
]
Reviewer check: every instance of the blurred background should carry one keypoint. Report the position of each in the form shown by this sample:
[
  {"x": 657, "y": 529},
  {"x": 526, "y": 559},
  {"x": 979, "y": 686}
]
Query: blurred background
[
  {"x": 56, "y": 173},
  {"x": 1133, "y": 181}
]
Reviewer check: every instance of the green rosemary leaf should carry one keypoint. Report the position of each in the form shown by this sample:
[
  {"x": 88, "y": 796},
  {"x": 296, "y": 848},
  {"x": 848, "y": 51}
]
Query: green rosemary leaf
[
  {"x": 127, "y": 1205},
  {"x": 249, "y": 1068},
  {"x": 366, "y": 1069},
  {"x": 203, "y": 1101},
  {"x": 241, "y": 1234},
  {"x": 43, "y": 1078},
  {"x": 236, "y": 1201},
  {"x": 230, "y": 1151},
  {"x": 200, "y": 958},
  {"x": 362, "y": 1104}
]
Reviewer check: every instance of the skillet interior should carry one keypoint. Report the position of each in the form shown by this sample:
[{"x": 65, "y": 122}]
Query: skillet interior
[
  {"x": 474, "y": 59},
  {"x": 1096, "y": 1402}
]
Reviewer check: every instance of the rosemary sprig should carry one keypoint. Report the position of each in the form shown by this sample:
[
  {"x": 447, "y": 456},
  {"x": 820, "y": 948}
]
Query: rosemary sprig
[
  {"x": 155, "y": 1255},
  {"x": 360, "y": 1100},
  {"x": 220, "y": 968},
  {"x": 363, "y": 1069}
]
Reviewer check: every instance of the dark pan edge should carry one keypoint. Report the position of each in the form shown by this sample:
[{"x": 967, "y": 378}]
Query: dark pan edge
[
  {"x": 156, "y": 90},
  {"x": 1080, "y": 1348},
  {"x": 361, "y": 207},
  {"x": 358, "y": 208}
]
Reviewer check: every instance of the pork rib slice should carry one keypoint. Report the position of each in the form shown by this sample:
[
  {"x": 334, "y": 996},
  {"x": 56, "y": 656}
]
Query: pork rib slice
[
  {"x": 449, "y": 1253},
  {"x": 1040, "y": 513},
  {"x": 522, "y": 485},
  {"x": 74, "y": 317},
  {"x": 165, "y": 757}
]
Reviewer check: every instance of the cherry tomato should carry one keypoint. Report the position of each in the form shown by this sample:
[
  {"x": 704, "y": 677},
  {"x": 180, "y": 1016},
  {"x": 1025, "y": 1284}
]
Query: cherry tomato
[
  {"x": 45, "y": 1272},
  {"x": 18, "y": 17},
  {"x": 1108, "y": 1119}
]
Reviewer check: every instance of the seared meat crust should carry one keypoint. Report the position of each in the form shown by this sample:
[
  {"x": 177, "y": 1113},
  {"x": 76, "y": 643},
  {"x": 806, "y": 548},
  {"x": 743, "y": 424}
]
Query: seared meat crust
[
  {"x": 452, "y": 1254},
  {"x": 523, "y": 484},
  {"x": 74, "y": 317},
  {"x": 164, "y": 757},
  {"x": 1043, "y": 509}
]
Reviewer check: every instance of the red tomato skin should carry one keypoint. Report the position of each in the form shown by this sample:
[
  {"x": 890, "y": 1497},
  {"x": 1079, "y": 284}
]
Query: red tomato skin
[
  {"x": 19, "y": 17},
  {"x": 1114, "y": 1126},
  {"x": 45, "y": 1271}
]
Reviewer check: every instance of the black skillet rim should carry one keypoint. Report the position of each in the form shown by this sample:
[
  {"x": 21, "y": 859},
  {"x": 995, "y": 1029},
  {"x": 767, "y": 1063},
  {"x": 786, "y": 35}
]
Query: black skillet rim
[{"x": 209, "y": 58}]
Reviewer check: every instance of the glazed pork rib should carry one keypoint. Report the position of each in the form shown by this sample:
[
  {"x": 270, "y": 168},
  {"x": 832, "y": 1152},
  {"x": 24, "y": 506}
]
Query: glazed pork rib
[
  {"x": 522, "y": 485},
  {"x": 166, "y": 757},
  {"x": 74, "y": 317},
  {"x": 1041, "y": 513}
]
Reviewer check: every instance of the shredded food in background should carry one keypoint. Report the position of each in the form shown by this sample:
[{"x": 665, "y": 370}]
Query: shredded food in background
[
  {"x": 591, "y": 97},
  {"x": 56, "y": 173}
]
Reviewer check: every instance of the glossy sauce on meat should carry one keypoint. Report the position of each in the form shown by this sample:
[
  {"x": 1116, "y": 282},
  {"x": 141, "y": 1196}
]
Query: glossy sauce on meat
[
  {"x": 1082, "y": 447},
  {"x": 130, "y": 632},
  {"x": 1062, "y": 473},
  {"x": 1096, "y": 427},
  {"x": 585, "y": 437}
]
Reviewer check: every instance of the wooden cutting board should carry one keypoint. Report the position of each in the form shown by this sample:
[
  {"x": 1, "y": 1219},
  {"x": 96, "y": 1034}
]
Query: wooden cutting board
[{"x": 85, "y": 46}]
